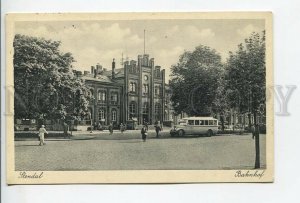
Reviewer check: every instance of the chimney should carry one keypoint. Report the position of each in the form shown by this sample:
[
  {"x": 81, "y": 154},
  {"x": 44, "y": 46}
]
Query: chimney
[
  {"x": 113, "y": 66},
  {"x": 98, "y": 68}
]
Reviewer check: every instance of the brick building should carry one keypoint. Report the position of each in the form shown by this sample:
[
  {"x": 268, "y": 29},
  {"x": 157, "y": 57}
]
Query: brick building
[{"x": 134, "y": 92}]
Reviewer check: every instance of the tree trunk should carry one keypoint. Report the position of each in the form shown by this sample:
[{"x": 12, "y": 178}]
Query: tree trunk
[{"x": 257, "y": 148}]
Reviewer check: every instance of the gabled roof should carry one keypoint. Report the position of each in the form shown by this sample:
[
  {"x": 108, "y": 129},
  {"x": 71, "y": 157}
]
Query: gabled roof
[
  {"x": 99, "y": 78},
  {"x": 118, "y": 73}
]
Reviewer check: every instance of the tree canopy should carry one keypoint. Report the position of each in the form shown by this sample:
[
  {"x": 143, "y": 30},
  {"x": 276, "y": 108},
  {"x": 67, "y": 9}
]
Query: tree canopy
[
  {"x": 45, "y": 85},
  {"x": 246, "y": 75},
  {"x": 195, "y": 80}
]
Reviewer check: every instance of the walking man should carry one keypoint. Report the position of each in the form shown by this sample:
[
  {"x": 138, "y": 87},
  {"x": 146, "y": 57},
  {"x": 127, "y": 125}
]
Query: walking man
[
  {"x": 157, "y": 129},
  {"x": 42, "y": 132},
  {"x": 66, "y": 130},
  {"x": 144, "y": 133}
]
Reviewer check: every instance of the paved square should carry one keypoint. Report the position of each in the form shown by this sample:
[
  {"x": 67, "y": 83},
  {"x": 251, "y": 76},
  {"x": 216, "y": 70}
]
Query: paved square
[{"x": 127, "y": 152}]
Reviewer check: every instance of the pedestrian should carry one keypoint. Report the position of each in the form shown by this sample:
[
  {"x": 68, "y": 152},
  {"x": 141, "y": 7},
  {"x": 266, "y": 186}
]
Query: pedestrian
[
  {"x": 42, "y": 132},
  {"x": 157, "y": 129},
  {"x": 66, "y": 129},
  {"x": 144, "y": 133},
  {"x": 146, "y": 124},
  {"x": 122, "y": 128},
  {"x": 110, "y": 128}
]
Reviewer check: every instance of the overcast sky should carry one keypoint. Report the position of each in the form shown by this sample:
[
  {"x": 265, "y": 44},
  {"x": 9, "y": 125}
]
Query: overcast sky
[{"x": 93, "y": 42}]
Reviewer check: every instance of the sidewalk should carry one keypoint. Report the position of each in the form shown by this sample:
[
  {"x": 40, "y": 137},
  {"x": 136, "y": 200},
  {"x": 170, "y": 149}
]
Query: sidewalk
[{"x": 97, "y": 134}]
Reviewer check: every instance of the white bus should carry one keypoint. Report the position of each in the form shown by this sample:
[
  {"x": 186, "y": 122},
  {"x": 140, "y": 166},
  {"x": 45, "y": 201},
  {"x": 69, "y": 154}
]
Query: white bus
[{"x": 196, "y": 126}]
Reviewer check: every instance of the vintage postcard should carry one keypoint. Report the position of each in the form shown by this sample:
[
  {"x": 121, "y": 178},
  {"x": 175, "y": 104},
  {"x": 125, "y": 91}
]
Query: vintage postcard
[{"x": 139, "y": 98}]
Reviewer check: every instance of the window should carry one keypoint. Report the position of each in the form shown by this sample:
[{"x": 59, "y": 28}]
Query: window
[
  {"x": 211, "y": 122},
  {"x": 114, "y": 97},
  {"x": 114, "y": 115},
  {"x": 157, "y": 73},
  {"x": 197, "y": 122},
  {"x": 191, "y": 122},
  {"x": 101, "y": 95},
  {"x": 101, "y": 114},
  {"x": 201, "y": 122},
  {"x": 206, "y": 122},
  {"x": 132, "y": 109},
  {"x": 132, "y": 87},
  {"x": 145, "y": 108},
  {"x": 215, "y": 122},
  {"x": 145, "y": 88},
  {"x": 157, "y": 90}
]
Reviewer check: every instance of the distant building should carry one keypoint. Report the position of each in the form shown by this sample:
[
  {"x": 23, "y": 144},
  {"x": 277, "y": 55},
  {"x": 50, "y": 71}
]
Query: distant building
[{"x": 135, "y": 92}]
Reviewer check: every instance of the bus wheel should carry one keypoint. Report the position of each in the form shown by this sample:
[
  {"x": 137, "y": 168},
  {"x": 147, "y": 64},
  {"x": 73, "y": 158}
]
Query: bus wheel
[
  {"x": 181, "y": 133},
  {"x": 209, "y": 133}
]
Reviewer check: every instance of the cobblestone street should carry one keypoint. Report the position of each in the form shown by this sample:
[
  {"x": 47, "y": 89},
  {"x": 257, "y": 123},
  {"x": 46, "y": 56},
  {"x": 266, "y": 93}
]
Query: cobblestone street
[{"x": 101, "y": 151}]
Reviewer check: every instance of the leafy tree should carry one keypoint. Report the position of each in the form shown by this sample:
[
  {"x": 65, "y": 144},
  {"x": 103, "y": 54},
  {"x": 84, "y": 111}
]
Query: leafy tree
[
  {"x": 246, "y": 74},
  {"x": 195, "y": 81},
  {"x": 45, "y": 84}
]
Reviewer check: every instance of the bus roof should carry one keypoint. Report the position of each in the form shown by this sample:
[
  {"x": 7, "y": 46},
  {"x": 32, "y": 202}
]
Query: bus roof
[{"x": 199, "y": 118}]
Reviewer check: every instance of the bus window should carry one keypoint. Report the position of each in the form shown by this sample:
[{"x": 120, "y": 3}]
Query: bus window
[
  {"x": 201, "y": 122},
  {"x": 206, "y": 122},
  {"x": 211, "y": 122},
  {"x": 196, "y": 122},
  {"x": 215, "y": 122},
  {"x": 191, "y": 122}
]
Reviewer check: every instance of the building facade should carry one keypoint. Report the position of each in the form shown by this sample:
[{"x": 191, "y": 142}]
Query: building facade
[{"x": 135, "y": 92}]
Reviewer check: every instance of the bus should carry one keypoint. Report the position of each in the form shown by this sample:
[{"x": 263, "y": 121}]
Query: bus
[{"x": 196, "y": 126}]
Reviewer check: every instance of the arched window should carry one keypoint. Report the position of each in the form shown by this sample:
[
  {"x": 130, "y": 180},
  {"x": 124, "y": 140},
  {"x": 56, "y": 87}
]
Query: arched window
[
  {"x": 145, "y": 88},
  {"x": 114, "y": 115},
  {"x": 101, "y": 114},
  {"x": 134, "y": 87},
  {"x": 132, "y": 109}
]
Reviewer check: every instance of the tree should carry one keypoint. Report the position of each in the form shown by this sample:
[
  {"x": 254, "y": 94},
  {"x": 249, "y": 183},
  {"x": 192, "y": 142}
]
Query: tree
[
  {"x": 246, "y": 80},
  {"x": 45, "y": 84},
  {"x": 195, "y": 81}
]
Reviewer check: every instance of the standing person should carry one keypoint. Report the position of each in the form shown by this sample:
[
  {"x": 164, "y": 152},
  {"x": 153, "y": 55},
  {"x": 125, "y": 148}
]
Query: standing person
[
  {"x": 66, "y": 129},
  {"x": 144, "y": 133},
  {"x": 157, "y": 129},
  {"x": 110, "y": 128},
  {"x": 122, "y": 128},
  {"x": 42, "y": 132}
]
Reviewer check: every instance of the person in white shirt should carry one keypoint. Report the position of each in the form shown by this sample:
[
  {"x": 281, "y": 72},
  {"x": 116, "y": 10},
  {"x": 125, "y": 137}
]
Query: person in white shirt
[{"x": 42, "y": 132}]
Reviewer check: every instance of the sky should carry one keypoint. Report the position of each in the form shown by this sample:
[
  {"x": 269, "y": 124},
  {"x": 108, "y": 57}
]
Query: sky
[{"x": 93, "y": 42}]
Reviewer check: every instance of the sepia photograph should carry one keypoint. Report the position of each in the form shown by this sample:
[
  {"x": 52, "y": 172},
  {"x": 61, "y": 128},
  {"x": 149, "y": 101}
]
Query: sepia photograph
[{"x": 139, "y": 98}]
